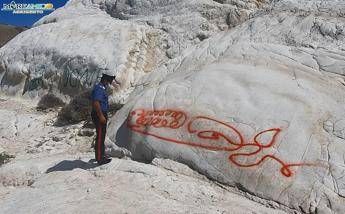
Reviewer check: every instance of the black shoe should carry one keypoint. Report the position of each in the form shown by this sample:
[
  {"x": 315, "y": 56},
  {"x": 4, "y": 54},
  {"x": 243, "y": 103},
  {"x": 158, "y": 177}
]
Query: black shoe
[
  {"x": 107, "y": 156},
  {"x": 104, "y": 161}
]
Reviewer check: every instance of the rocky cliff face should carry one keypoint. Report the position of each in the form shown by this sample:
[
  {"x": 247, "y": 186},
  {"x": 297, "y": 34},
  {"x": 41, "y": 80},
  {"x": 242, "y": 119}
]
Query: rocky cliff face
[{"x": 249, "y": 93}]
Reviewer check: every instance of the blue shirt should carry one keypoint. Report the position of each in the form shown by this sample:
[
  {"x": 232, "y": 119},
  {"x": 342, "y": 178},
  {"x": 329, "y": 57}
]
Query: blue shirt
[{"x": 99, "y": 93}]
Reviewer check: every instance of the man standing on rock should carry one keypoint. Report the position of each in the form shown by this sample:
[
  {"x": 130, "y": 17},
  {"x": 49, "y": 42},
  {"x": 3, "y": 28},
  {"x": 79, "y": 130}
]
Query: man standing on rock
[{"x": 99, "y": 115}]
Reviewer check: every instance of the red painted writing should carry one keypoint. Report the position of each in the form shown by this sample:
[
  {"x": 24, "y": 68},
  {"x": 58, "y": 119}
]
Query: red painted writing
[
  {"x": 159, "y": 119},
  {"x": 220, "y": 137}
]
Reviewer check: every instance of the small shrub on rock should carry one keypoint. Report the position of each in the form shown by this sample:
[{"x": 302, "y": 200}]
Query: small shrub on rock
[
  {"x": 49, "y": 101},
  {"x": 79, "y": 109},
  {"x": 5, "y": 158},
  {"x": 76, "y": 111}
]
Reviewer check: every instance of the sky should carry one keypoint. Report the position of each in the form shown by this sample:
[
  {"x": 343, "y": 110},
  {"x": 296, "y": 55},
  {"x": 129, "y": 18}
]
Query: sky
[{"x": 8, "y": 17}]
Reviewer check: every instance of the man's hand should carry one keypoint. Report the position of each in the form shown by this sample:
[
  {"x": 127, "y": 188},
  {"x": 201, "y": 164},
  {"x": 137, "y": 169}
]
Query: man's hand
[
  {"x": 116, "y": 82},
  {"x": 102, "y": 120},
  {"x": 97, "y": 106}
]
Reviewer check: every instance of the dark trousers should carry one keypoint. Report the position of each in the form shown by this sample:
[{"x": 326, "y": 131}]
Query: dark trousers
[{"x": 101, "y": 130}]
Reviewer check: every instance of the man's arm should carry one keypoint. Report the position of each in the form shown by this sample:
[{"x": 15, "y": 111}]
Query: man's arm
[{"x": 97, "y": 106}]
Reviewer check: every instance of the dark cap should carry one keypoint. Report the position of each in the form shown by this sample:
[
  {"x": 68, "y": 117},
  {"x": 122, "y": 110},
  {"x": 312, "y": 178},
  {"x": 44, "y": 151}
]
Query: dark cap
[{"x": 108, "y": 77}]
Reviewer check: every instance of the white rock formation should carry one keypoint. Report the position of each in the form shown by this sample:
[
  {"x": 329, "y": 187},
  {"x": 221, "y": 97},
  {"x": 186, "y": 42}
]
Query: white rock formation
[
  {"x": 252, "y": 95},
  {"x": 49, "y": 176},
  {"x": 123, "y": 186},
  {"x": 72, "y": 56},
  {"x": 259, "y": 107},
  {"x": 66, "y": 51}
]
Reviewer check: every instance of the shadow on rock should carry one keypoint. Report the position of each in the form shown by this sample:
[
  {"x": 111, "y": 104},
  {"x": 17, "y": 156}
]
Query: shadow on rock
[
  {"x": 139, "y": 152},
  {"x": 68, "y": 165}
]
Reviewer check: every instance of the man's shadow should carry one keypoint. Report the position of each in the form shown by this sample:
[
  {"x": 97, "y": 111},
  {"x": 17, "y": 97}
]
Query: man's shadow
[{"x": 68, "y": 165}]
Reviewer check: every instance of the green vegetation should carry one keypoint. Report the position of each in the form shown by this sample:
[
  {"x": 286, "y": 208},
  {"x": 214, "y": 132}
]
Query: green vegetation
[
  {"x": 4, "y": 158},
  {"x": 79, "y": 110}
]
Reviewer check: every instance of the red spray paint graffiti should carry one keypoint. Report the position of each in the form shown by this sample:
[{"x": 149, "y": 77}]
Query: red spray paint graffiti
[{"x": 142, "y": 120}]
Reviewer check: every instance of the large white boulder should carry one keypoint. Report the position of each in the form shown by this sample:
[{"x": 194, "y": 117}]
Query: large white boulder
[
  {"x": 259, "y": 129},
  {"x": 259, "y": 107}
]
